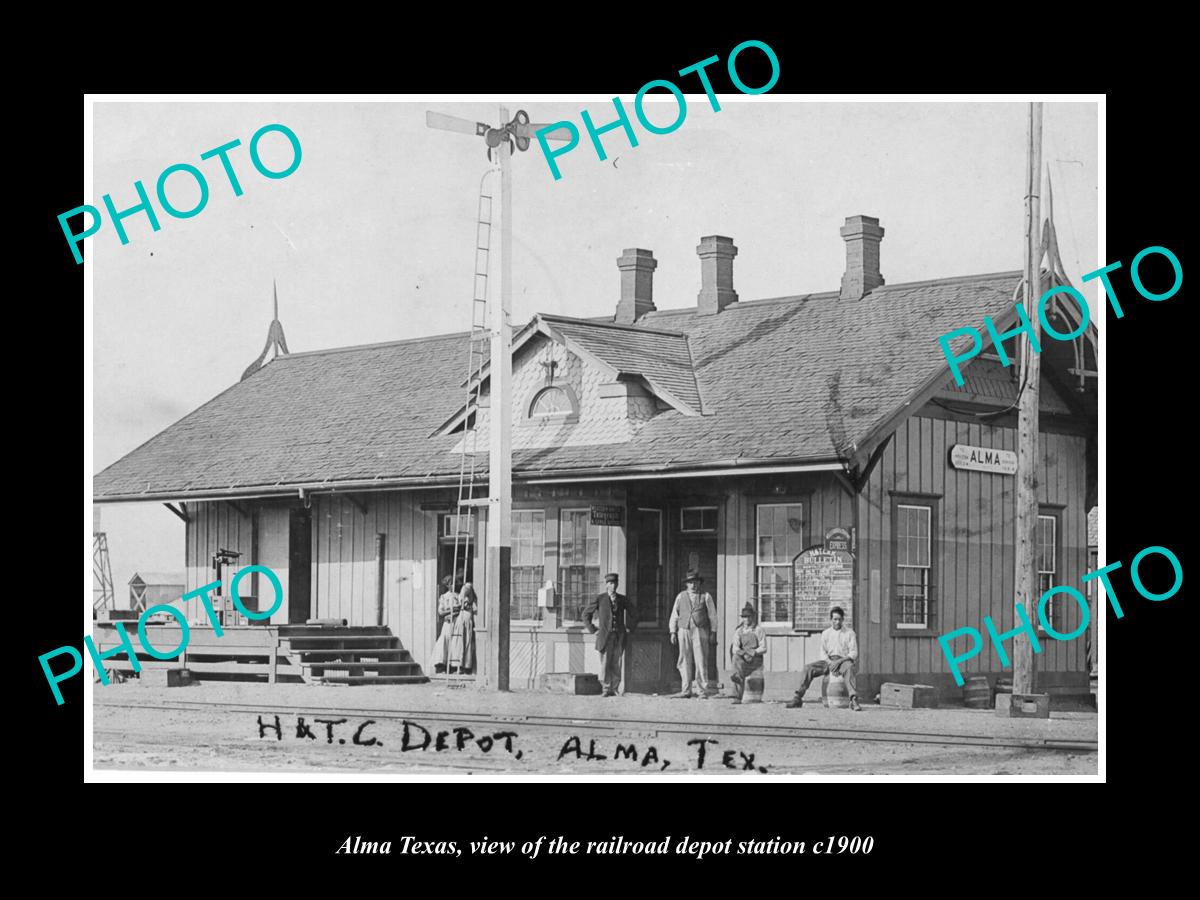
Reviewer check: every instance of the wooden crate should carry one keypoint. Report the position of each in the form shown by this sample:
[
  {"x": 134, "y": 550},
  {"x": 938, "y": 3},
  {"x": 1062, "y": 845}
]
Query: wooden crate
[
  {"x": 165, "y": 677},
  {"x": 570, "y": 683},
  {"x": 908, "y": 696},
  {"x": 118, "y": 615},
  {"x": 1023, "y": 706}
]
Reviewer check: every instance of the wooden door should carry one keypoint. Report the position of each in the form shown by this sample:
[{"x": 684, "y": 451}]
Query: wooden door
[
  {"x": 649, "y": 658},
  {"x": 299, "y": 566},
  {"x": 696, "y": 552}
]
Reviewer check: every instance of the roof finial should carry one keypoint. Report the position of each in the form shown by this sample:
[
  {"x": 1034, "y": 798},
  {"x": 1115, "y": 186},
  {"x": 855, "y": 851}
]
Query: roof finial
[{"x": 275, "y": 338}]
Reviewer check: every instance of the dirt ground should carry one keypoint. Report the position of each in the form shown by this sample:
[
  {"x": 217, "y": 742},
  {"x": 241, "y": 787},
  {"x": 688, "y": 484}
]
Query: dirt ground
[{"x": 461, "y": 731}]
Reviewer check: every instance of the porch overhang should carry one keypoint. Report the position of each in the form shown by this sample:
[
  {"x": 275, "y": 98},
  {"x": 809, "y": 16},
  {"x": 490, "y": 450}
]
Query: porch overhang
[{"x": 720, "y": 468}]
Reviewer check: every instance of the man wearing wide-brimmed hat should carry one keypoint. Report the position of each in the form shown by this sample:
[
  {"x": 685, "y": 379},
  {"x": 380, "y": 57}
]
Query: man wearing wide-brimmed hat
[
  {"x": 692, "y": 620},
  {"x": 749, "y": 645}
]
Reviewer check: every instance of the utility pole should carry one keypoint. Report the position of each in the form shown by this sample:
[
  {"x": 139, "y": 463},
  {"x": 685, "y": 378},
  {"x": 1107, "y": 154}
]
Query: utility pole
[
  {"x": 1027, "y": 414},
  {"x": 498, "y": 589}
]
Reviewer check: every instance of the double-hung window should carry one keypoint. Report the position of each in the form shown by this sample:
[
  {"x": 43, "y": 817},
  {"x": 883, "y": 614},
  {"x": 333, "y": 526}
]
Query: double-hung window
[
  {"x": 528, "y": 562},
  {"x": 912, "y": 540},
  {"x": 578, "y": 562},
  {"x": 1045, "y": 548},
  {"x": 779, "y": 537}
]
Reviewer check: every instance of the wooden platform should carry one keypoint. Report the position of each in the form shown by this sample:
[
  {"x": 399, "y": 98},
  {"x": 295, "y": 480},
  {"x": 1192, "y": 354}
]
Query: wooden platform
[{"x": 308, "y": 654}]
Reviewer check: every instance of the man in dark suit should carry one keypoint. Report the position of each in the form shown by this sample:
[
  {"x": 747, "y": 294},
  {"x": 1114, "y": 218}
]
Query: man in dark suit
[{"x": 616, "y": 618}]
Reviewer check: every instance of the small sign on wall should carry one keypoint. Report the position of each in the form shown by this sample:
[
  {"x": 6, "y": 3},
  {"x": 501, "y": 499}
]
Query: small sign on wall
[
  {"x": 983, "y": 459},
  {"x": 838, "y": 539},
  {"x": 608, "y": 515}
]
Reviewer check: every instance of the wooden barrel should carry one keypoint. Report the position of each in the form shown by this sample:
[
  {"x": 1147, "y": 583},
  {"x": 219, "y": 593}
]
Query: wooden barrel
[
  {"x": 836, "y": 695},
  {"x": 752, "y": 689},
  {"x": 977, "y": 694},
  {"x": 1004, "y": 684}
]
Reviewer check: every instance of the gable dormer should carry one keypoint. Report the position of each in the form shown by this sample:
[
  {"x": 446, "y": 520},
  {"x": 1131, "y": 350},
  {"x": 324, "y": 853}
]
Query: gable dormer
[{"x": 577, "y": 382}]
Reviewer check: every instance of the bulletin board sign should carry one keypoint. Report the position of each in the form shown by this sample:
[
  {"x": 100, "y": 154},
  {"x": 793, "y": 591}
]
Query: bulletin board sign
[{"x": 821, "y": 579}]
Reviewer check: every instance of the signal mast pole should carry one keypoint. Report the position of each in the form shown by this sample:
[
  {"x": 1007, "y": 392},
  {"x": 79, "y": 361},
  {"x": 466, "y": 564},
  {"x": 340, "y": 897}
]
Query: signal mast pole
[
  {"x": 499, "y": 527},
  {"x": 498, "y": 589}
]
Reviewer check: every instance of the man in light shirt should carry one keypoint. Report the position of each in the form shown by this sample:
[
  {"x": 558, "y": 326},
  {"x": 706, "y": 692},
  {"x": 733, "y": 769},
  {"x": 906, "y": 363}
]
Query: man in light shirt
[
  {"x": 691, "y": 624},
  {"x": 839, "y": 656}
]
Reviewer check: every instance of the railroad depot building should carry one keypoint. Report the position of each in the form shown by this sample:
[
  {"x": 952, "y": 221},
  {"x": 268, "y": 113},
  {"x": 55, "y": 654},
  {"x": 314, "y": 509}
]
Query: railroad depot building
[{"x": 728, "y": 436}]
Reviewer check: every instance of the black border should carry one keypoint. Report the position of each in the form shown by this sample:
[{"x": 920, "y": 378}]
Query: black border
[{"x": 1147, "y": 453}]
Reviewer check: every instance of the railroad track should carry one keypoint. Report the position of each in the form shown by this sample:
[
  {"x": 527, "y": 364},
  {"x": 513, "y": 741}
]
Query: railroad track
[{"x": 631, "y": 724}]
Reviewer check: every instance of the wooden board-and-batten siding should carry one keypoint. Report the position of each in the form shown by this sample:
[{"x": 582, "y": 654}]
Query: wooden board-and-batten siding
[
  {"x": 219, "y": 525},
  {"x": 975, "y": 563},
  {"x": 344, "y": 571},
  {"x": 826, "y": 505},
  {"x": 212, "y": 526}
]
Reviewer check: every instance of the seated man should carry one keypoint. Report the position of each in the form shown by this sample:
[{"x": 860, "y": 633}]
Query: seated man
[
  {"x": 839, "y": 654},
  {"x": 749, "y": 645}
]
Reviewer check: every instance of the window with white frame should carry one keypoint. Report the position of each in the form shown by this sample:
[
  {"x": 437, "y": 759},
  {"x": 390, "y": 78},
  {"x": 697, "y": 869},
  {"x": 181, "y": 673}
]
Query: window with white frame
[
  {"x": 528, "y": 563},
  {"x": 912, "y": 607},
  {"x": 550, "y": 401},
  {"x": 779, "y": 537},
  {"x": 456, "y": 525},
  {"x": 693, "y": 519},
  {"x": 1045, "y": 548},
  {"x": 578, "y": 561}
]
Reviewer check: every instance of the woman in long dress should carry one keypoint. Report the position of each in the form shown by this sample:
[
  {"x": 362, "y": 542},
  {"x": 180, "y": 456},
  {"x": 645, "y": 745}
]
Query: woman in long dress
[
  {"x": 462, "y": 636},
  {"x": 446, "y": 614}
]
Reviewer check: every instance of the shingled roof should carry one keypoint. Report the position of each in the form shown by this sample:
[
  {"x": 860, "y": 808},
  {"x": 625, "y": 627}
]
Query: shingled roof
[{"x": 800, "y": 379}]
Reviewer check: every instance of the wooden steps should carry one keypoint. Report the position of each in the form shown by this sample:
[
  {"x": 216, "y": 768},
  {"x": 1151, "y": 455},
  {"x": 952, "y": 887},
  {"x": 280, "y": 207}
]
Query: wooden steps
[
  {"x": 364, "y": 654},
  {"x": 374, "y": 679},
  {"x": 322, "y": 642},
  {"x": 286, "y": 631},
  {"x": 347, "y": 668},
  {"x": 313, "y": 654},
  {"x": 394, "y": 654}
]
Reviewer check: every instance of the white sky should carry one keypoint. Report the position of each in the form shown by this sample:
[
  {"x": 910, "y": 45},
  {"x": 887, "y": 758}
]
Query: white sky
[{"x": 371, "y": 239}]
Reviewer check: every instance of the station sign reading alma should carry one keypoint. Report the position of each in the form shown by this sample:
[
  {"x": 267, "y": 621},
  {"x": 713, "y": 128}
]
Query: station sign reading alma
[{"x": 983, "y": 459}]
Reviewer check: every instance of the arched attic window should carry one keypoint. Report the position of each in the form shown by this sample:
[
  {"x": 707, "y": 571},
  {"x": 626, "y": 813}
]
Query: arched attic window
[{"x": 554, "y": 403}]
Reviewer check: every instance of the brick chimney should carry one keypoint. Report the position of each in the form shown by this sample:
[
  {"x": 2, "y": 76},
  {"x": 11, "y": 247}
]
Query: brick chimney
[
  {"x": 862, "y": 235},
  {"x": 716, "y": 274},
  {"x": 637, "y": 285}
]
